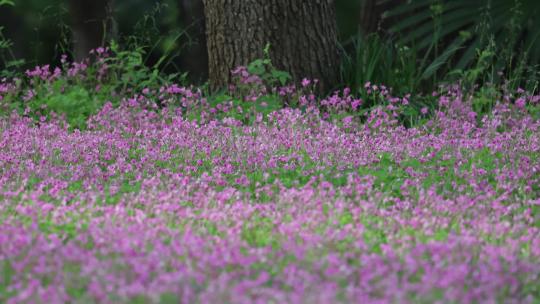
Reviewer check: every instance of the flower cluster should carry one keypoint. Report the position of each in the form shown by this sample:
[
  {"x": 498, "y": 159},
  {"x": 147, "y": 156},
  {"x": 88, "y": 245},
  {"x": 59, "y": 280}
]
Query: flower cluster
[{"x": 148, "y": 205}]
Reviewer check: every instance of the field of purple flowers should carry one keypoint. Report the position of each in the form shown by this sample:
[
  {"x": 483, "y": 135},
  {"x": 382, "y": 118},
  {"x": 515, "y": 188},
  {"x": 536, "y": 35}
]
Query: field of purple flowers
[{"x": 213, "y": 201}]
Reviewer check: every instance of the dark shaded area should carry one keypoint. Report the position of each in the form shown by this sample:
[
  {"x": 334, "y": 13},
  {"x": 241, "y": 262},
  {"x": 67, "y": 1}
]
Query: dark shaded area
[
  {"x": 92, "y": 24},
  {"x": 434, "y": 40},
  {"x": 38, "y": 31},
  {"x": 195, "y": 57},
  {"x": 42, "y": 30}
]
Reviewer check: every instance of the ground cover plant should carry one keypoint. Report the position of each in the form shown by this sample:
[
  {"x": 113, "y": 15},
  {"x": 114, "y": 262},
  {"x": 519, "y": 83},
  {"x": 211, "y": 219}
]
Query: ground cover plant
[{"x": 161, "y": 193}]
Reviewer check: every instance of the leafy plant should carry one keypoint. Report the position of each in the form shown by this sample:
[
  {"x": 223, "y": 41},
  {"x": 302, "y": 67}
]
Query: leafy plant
[
  {"x": 254, "y": 92},
  {"x": 386, "y": 60},
  {"x": 378, "y": 60},
  {"x": 264, "y": 69},
  {"x": 506, "y": 28},
  {"x": 76, "y": 103}
]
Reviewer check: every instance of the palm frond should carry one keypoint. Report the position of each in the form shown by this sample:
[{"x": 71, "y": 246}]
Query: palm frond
[{"x": 480, "y": 18}]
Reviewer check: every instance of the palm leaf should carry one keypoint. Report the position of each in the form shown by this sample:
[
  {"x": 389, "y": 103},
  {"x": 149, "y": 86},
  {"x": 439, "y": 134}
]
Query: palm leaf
[
  {"x": 443, "y": 58},
  {"x": 416, "y": 25}
]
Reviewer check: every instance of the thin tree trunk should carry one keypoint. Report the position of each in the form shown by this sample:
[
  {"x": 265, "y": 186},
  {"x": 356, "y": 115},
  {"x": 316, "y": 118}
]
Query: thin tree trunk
[
  {"x": 12, "y": 31},
  {"x": 194, "y": 59},
  {"x": 92, "y": 23},
  {"x": 302, "y": 35}
]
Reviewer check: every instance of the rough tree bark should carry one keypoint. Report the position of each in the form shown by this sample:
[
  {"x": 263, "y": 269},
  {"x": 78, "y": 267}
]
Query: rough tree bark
[
  {"x": 194, "y": 59},
  {"x": 302, "y": 35},
  {"x": 92, "y": 22}
]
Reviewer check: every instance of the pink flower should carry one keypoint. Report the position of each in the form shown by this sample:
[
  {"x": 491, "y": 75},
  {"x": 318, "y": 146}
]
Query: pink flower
[
  {"x": 356, "y": 103},
  {"x": 347, "y": 121},
  {"x": 520, "y": 103}
]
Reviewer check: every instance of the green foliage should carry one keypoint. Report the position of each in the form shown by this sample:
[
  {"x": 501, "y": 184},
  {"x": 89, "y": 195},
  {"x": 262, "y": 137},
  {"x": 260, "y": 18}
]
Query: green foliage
[
  {"x": 106, "y": 79},
  {"x": 499, "y": 38},
  {"x": 240, "y": 109},
  {"x": 254, "y": 96},
  {"x": 75, "y": 103},
  {"x": 374, "y": 234},
  {"x": 389, "y": 176},
  {"x": 386, "y": 60},
  {"x": 128, "y": 71},
  {"x": 169, "y": 298},
  {"x": 7, "y": 272},
  {"x": 66, "y": 231},
  {"x": 259, "y": 232},
  {"x": 436, "y": 42},
  {"x": 264, "y": 69},
  {"x": 379, "y": 60}
]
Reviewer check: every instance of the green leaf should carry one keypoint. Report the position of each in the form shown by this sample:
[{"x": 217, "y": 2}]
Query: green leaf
[
  {"x": 7, "y": 2},
  {"x": 514, "y": 23},
  {"x": 282, "y": 76},
  {"x": 439, "y": 61},
  {"x": 256, "y": 67}
]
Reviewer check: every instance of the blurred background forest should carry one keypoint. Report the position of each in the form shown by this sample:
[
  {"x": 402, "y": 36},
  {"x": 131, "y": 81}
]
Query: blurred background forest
[{"x": 412, "y": 46}]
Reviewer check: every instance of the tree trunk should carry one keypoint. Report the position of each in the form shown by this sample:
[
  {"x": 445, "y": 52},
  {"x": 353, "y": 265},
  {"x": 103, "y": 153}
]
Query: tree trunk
[
  {"x": 302, "y": 35},
  {"x": 194, "y": 59},
  {"x": 11, "y": 30},
  {"x": 92, "y": 22}
]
